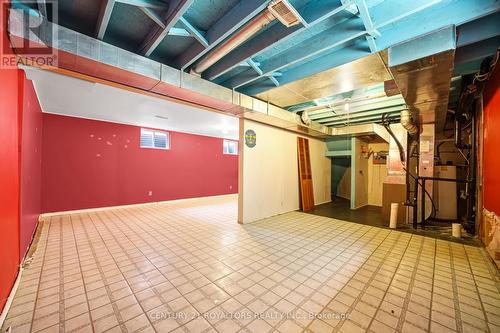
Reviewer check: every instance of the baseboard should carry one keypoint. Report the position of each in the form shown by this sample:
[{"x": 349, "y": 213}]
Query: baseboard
[
  {"x": 100, "y": 209},
  {"x": 8, "y": 304},
  {"x": 343, "y": 197}
]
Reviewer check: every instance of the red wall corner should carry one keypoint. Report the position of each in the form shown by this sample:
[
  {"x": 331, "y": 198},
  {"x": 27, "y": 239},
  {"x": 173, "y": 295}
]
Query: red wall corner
[
  {"x": 491, "y": 152},
  {"x": 9, "y": 173},
  {"x": 31, "y": 164}
]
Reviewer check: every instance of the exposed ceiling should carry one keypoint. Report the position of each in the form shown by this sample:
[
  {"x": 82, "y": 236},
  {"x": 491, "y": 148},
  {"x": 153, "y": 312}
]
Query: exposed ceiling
[
  {"x": 64, "y": 95},
  {"x": 360, "y": 73},
  {"x": 333, "y": 52}
]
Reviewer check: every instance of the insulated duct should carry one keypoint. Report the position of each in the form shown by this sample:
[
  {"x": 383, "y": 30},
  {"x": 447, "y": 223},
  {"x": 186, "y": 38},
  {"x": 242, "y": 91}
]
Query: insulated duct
[
  {"x": 91, "y": 59},
  {"x": 422, "y": 69}
]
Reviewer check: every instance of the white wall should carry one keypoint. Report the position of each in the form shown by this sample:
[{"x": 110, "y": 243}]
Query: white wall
[
  {"x": 268, "y": 173},
  {"x": 344, "y": 188}
]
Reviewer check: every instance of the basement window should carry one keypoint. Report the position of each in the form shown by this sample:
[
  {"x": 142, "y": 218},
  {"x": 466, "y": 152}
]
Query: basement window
[
  {"x": 154, "y": 139},
  {"x": 230, "y": 147}
]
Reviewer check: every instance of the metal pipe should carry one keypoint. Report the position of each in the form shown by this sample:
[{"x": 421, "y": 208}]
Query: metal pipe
[
  {"x": 408, "y": 123},
  {"x": 471, "y": 208},
  {"x": 415, "y": 204},
  {"x": 407, "y": 173},
  {"x": 423, "y": 203},
  {"x": 453, "y": 180},
  {"x": 239, "y": 38},
  {"x": 415, "y": 189}
]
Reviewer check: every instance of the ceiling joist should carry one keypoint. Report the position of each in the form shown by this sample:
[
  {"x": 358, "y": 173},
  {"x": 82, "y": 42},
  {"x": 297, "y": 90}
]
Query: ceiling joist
[
  {"x": 103, "y": 19},
  {"x": 176, "y": 9}
]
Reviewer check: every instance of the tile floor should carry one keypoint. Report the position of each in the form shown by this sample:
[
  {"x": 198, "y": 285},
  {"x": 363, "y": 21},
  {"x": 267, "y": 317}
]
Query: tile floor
[{"x": 188, "y": 267}]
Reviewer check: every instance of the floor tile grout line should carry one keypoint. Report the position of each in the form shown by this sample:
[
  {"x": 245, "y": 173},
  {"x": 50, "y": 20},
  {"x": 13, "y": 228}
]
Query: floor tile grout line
[
  {"x": 456, "y": 300},
  {"x": 402, "y": 317},
  {"x": 373, "y": 237},
  {"x": 41, "y": 274},
  {"x": 492, "y": 268},
  {"x": 116, "y": 311},
  {"x": 360, "y": 228},
  {"x": 291, "y": 264},
  {"x": 156, "y": 293},
  {"x": 433, "y": 282},
  {"x": 81, "y": 272},
  {"x": 372, "y": 277},
  {"x": 242, "y": 306},
  {"x": 255, "y": 261},
  {"x": 61, "y": 281},
  {"x": 222, "y": 262},
  {"x": 124, "y": 251},
  {"x": 392, "y": 279},
  {"x": 307, "y": 298},
  {"x": 477, "y": 291},
  {"x": 111, "y": 255},
  {"x": 354, "y": 242}
]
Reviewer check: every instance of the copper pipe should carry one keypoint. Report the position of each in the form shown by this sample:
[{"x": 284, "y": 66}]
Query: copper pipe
[{"x": 249, "y": 30}]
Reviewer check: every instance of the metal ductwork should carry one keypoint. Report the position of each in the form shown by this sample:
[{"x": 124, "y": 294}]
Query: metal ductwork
[
  {"x": 278, "y": 9},
  {"x": 422, "y": 69},
  {"x": 361, "y": 130},
  {"x": 89, "y": 58}
]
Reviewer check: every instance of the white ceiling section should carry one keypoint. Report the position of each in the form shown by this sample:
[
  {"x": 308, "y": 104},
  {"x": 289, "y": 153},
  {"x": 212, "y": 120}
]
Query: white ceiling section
[{"x": 69, "y": 96}]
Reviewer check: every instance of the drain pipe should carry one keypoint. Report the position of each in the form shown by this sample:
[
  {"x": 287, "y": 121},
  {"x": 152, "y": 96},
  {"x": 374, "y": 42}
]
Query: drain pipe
[{"x": 254, "y": 26}]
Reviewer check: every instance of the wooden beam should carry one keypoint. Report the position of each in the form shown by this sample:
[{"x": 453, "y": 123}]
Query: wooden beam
[
  {"x": 104, "y": 16},
  {"x": 176, "y": 9}
]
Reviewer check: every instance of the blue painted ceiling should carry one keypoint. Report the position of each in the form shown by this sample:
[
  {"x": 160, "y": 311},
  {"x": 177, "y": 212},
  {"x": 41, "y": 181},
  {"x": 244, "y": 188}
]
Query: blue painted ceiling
[{"x": 332, "y": 33}]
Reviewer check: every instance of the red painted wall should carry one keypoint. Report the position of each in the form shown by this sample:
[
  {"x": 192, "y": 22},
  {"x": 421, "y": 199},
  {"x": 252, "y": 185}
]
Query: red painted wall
[
  {"x": 491, "y": 152},
  {"x": 88, "y": 164},
  {"x": 9, "y": 174},
  {"x": 31, "y": 165}
]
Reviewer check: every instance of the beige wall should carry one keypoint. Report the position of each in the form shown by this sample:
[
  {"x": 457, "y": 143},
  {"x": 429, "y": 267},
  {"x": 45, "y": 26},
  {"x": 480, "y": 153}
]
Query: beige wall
[
  {"x": 361, "y": 174},
  {"x": 268, "y": 174},
  {"x": 376, "y": 175},
  {"x": 344, "y": 188}
]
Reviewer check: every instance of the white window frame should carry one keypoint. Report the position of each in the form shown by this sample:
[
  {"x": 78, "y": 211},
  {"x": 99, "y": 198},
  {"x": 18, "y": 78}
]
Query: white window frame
[
  {"x": 226, "y": 143},
  {"x": 153, "y": 134}
]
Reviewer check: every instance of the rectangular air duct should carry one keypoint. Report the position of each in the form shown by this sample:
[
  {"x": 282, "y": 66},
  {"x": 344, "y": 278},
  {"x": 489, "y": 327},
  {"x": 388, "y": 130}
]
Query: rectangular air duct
[{"x": 82, "y": 56}]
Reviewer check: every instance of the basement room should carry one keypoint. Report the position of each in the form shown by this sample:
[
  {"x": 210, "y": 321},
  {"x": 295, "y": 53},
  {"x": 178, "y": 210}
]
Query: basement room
[{"x": 319, "y": 166}]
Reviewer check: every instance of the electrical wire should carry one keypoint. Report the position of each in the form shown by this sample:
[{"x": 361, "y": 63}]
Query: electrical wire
[
  {"x": 385, "y": 123},
  {"x": 486, "y": 76}
]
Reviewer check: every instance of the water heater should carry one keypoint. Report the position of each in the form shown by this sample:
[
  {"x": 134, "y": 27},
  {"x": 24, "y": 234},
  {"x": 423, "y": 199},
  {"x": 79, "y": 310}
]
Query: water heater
[{"x": 445, "y": 193}]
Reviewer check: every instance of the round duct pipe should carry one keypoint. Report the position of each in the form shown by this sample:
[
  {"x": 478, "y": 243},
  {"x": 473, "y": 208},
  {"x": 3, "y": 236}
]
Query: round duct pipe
[
  {"x": 239, "y": 38},
  {"x": 408, "y": 122}
]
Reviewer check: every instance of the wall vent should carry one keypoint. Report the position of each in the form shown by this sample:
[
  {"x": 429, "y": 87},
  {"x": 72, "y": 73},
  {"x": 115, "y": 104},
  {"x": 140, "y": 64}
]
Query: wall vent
[{"x": 284, "y": 12}]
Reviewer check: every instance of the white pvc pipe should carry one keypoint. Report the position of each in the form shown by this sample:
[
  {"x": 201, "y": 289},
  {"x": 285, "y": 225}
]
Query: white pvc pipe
[
  {"x": 393, "y": 222},
  {"x": 456, "y": 230}
]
